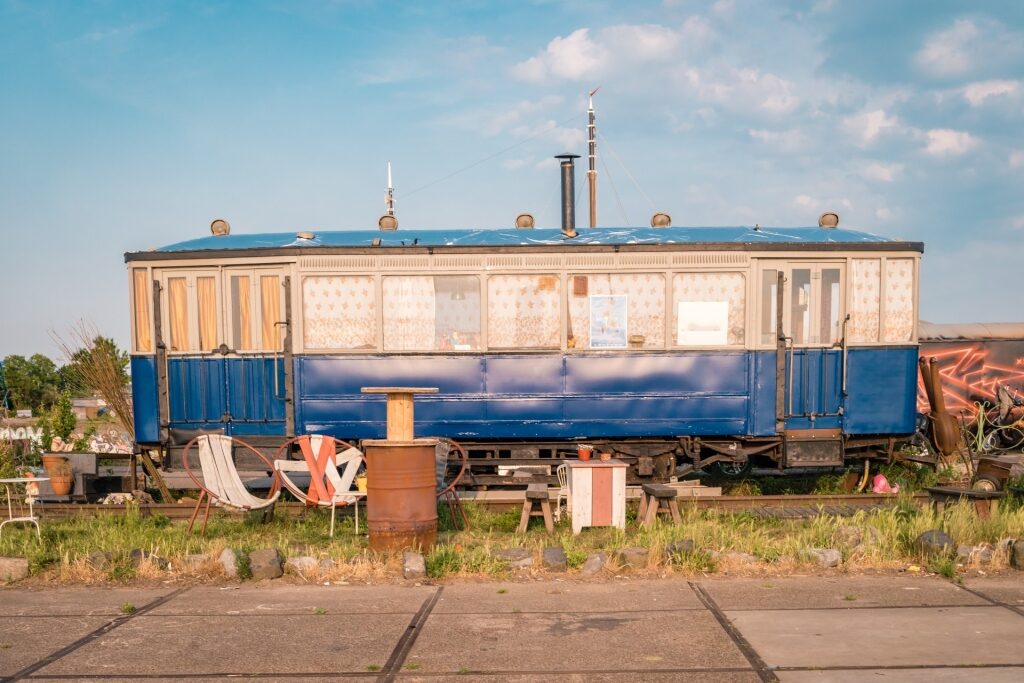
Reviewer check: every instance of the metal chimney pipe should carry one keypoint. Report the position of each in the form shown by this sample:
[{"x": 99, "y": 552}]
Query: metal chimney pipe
[{"x": 568, "y": 193}]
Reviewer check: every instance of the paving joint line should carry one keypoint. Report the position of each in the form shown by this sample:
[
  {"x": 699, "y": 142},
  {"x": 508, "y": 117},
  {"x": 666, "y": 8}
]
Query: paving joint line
[
  {"x": 408, "y": 639},
  {"x": 997, "y": 603},
  {"x": 539, "y": 673},
  {"x": 91, "y": 636},
  {"x": 897, "y": 667},
  {"x": 748, "y": 651}
]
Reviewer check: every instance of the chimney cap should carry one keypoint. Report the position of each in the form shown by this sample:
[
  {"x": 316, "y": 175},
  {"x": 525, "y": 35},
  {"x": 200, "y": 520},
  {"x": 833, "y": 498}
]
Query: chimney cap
[
  {"x": 567, "y": 156},
  {"x": 387, "y": 222}
]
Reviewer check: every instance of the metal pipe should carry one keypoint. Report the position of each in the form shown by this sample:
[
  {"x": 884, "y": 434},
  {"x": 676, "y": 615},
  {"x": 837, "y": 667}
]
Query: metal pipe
[
  {"x": 568, "y": 193},
  {"x": 846, "y": 349},
  {"x": 592, "y": 159}
]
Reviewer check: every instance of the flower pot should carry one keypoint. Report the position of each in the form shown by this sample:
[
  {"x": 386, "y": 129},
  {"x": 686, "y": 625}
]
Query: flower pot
[
  {"x": 62, "y": 483},
  {"x": 584, "y": 451},
  {"x": 605, "y": 456},
  {"x": 53, "y": 460}
]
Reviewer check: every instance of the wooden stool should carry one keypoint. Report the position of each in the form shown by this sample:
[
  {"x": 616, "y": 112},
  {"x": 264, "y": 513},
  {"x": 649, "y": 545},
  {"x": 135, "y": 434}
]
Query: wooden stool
[
  {"x": 655, "y": 499},
  {"x": 536, "y": 493}
]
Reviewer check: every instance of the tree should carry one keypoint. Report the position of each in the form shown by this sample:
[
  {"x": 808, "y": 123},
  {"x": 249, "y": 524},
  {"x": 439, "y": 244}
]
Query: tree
[
  {"x": 33, "y": 382},
  {"x": 79, "y": 375}
]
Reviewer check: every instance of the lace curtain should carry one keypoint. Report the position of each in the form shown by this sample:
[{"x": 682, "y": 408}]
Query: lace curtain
[
  {"x": 645, "y": 306},
  {"x": 899, "y": 299},
  {"x": 865, "y": 300},
  {"x": 522, "y": 311},
  {"x": 177, "y": 312},
  {"x": 409, "y": 313},
  {"x": 710, "y": 288},
  {"x": 339, "y": 312}
]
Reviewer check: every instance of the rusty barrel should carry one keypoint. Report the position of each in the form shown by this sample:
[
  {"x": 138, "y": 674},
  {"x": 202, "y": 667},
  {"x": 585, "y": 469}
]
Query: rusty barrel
[{"x": 401, "y": 493}]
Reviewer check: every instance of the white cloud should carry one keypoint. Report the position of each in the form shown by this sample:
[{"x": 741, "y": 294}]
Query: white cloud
[
  {"x": 574, "y": 57},
  {"x": 514, "y": 164},
  {"x": 950, "y": 52},
  {"x": 785, "y": 140},
  {"x": 977, "y": 93},
  {"x": 869, "y": 125},
  {"x": 724, "y": 8},
  {"x": 1017, "y": 223},
  {"x": 740, "y": 89},
  {"x": 883, "y": 214},
  {"x": 1016, "y": 158},
  {"x": 885, "y": 173},
  {"x": 947, "y": 142},
  {"x": 802, "y": 201}
]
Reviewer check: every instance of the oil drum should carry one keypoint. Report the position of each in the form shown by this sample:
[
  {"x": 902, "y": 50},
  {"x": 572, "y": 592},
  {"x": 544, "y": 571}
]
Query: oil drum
[{"x": 401, "y": 494}]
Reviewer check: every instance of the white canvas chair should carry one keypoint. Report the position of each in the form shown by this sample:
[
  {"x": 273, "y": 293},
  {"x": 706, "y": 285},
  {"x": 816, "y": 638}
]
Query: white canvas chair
[
  {"x": 220, "y": 484},
  {"x": 331, "y": 473},
  {"x": 562, "y": 472}
]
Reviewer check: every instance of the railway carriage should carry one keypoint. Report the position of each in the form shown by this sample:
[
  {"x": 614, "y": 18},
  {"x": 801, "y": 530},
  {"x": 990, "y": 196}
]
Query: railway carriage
[{"x": 671, "y": 347}]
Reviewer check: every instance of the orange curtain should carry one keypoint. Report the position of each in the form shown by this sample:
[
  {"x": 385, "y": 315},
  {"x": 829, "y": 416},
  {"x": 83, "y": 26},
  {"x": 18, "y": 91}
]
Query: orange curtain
[
  {"x": 206, "y": 294},
  {"x": 177, "y": 299},
  {"x": 243, "y": 305},
  {"x": 270, "y": 300},
  {"x": 143, "y": 338}
]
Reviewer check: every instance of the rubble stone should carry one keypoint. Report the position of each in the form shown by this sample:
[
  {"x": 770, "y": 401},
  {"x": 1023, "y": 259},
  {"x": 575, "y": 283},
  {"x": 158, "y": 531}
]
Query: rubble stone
[
  {"x": 825, "y": 557},
  {"x": 517, "y": 558},
  {"x": 413, "y": 565},
  {"x": 934, "y": 542},
  {"x": 266, "y": 564},
  {"x": 595, "y": 563},
  {"x": 229, "y": 561},
  {"x": 678, "y": 548},
  {"x": 13, "y": 568},
  {"x": 554, "y": 559},
  {"x": 100, "y": 560},
  {"x": 632, "y": 557},
  {"x": 1017, "y": 555},
  {"x": 849, "y": 536},
  {"x": 301, "y": 564}
]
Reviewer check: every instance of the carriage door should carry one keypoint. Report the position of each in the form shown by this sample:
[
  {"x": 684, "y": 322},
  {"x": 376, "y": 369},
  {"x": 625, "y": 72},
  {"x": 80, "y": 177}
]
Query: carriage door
[
  {"x": 255, "y": 365},
  {"x": 811, "y": 348}
]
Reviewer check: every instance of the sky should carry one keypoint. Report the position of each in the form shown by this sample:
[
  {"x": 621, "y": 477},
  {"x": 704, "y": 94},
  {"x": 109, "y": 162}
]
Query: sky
[{"x": 126, "y": 125}]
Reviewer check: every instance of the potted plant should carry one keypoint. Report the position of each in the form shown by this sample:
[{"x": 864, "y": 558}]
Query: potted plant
[{"x": 62, "y": 478}]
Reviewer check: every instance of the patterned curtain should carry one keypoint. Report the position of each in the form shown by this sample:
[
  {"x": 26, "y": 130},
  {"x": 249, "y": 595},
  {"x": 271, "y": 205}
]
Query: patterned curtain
[
  {"x": 177, "y": 312},
  {"x": 865, "y": 300},
  {"x": 339, "y": 312},
  {"x": 713, "y": 287},
  {"x": 270, "y": 308},
  {"x": 899, "y": 299},
  {"x": 143, "y": 292},
  {"x": 522, "y": 311},
  {"x": 206, "y": 296},
  {"x": 409, "y": 313},
  {"x": 645, "y": 294}
]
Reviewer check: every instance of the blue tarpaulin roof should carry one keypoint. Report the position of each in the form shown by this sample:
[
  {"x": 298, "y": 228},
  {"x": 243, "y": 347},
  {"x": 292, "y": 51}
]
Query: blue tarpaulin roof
[{"x": 587, "y": 236}]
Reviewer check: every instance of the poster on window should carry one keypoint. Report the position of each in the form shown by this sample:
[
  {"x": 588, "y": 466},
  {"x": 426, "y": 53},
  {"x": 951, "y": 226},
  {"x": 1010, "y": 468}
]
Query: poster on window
[
  {"x": 608, "y": 316},
  {"x": 703, "y": 323}
]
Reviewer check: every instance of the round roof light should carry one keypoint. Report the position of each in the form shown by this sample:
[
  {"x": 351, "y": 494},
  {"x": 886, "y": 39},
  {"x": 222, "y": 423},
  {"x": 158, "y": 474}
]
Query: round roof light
[
  {"x": 661, "y": 220},
  {"x": 388, "y": 222},
  {"x": 524, "y": 221},
  {"x": 220, "y": 227},
  {"x": 306, "y": 235},
  {"x": 828, "y": 220}
]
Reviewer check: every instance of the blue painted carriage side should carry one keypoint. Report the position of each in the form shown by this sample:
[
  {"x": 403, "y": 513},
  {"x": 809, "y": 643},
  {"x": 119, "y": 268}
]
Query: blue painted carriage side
[
  {"x": 882, "y": 387},
  {"x": 239, "y": 395},
  {"x": 144, "y": 399}
]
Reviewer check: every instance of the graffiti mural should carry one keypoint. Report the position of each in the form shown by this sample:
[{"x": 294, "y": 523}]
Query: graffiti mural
[{"x": 971, "y": 370}]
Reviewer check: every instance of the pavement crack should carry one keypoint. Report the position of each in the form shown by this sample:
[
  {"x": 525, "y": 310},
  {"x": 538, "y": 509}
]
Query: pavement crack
[
  {"x": 759, "y": 665},
  {"x": 398, "y": 656},
  {"x": 91, "y": 636}
]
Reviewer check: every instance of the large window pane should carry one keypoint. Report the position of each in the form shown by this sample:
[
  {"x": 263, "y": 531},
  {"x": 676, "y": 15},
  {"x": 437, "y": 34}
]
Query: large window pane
[
  {"x": 800, "y": 304},
  {"x": 339, "y": 312},
  {"x": 241, "y": 312},
  {"x": 617, "y": 311},
  {"x": 769, "y": 306},
  {"x": 523, "y": 311},
  {"x": 831, "y": 304},
  {"x": 899, "y": 300},
  {"x": 141, "y": 294},
  {"x": 427, "y": 313},
  {"x": 206, "y": 298},
  {"x": 865, "y": 300},
  {"x": 270, "y": 311},
  {"x": 708, "y": 309},
  {"x": 177, "y": 313}
]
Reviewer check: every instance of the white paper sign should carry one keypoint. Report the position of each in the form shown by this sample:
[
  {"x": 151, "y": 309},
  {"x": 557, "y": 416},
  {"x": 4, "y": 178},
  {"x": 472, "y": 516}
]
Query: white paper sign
[{"x": 702, "y": 323}]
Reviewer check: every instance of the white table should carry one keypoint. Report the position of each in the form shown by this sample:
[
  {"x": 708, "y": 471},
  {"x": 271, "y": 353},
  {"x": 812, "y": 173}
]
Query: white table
[
  {"x": 31, "y": 518},
  {"x": 597, "y": 489}
]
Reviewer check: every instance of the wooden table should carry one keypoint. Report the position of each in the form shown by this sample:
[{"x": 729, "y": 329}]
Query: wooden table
[
  {"x": 598, "y": 492},
  {"x": 400, "y": 415}
]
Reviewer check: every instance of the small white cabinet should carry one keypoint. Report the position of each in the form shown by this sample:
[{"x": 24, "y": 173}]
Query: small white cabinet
[{"x": 598, "y": 492}]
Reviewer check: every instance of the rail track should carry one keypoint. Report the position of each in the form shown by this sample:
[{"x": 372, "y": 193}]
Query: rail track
[{"x": 785, "y": 506}]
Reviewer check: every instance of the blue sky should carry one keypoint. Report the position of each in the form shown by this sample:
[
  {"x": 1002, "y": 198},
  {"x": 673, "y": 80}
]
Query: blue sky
[{"x": 129, "y": 125}]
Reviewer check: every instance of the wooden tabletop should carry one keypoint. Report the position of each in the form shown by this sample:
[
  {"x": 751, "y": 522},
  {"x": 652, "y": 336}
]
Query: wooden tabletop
[
  {"x": 594, "y": 462},
  {"x": 399, "y": 390}
]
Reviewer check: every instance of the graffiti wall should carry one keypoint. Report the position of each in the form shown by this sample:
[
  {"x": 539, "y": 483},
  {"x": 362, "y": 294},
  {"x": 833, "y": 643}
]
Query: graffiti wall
[{"x": 973, "y": 369}]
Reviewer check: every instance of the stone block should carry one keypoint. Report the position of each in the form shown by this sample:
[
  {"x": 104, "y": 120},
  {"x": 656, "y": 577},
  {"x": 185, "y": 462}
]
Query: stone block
[
  {"x": 13, "y": 568},
  {"x": 99, "y": 560},
  {"x": 413, "y": 565},
  {"x": 301, "y": 565},
  {"x": 554, "y": 559},
  {"x": 595, "y": 563},
  {"x": 229, "y": 562},
  {"x": 824, "y": 557},
  {"x": 517, "y": 558},
  {"x": 632, "y": 557},
  {"x": 934, "y": 542},
  {"x": 266, "y": 563}
]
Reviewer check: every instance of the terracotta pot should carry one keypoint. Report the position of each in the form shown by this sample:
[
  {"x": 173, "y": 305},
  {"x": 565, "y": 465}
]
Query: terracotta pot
[
  {"x": 605, "y": 457},
  {"x": 585, "y": 452},
  {"x": 51, "y": 461},
  {"x": 62, "y": 482}
]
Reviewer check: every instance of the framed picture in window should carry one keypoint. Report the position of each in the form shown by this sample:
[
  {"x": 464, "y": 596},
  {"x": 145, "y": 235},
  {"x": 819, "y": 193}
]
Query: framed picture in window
[{"x": 608, "y": 321}]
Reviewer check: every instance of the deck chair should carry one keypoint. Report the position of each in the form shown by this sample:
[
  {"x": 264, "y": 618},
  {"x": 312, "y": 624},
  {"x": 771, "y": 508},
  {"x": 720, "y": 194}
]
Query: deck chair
[
  {"x": 220, "y": 484},
  {"x": 331, "y": 474},
  {"x": 562, "y": 472}
]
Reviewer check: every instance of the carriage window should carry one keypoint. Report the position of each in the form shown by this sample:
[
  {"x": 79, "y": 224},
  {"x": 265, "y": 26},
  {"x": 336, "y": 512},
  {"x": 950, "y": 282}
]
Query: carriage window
[
  {"x": 142, "y": 292},
  {"x": 241, "y": 312},
  {"x": 339, "y": 312},
  {"x": 177, "y": 312},
  {"x": 899, "y": 300},
  {"x": 830, "y": 305},
  {"x": 800, "y": 304},
  {"x": 523, "y": 311},
  {"x": 865, "y": 300},
  {"x": 427, "y": 313},
  {"x": 769, "y": 305},
  {"x": 270, "y": 312},
  {"x": 708, "y": 309},
  {"x": 616, "y": 311},
  {"x": 206, "y": 299}
]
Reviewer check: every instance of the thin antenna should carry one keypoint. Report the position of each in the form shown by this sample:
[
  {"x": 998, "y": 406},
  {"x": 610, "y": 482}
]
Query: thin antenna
[
  {"x": 389, "y": 200},
  {"x": 592, "y": 157}
]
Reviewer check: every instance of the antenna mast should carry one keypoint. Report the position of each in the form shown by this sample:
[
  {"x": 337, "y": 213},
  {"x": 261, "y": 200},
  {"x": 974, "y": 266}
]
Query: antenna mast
[
  {"x": 592, "y": 158},
  {"x": 389, "y": 199}
]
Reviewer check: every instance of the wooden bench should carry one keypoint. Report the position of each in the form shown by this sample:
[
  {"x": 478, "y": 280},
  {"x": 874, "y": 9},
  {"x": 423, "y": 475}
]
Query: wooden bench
[
  {"x": 657, "y": 499},
  {"x": 534, "y": 494}
]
